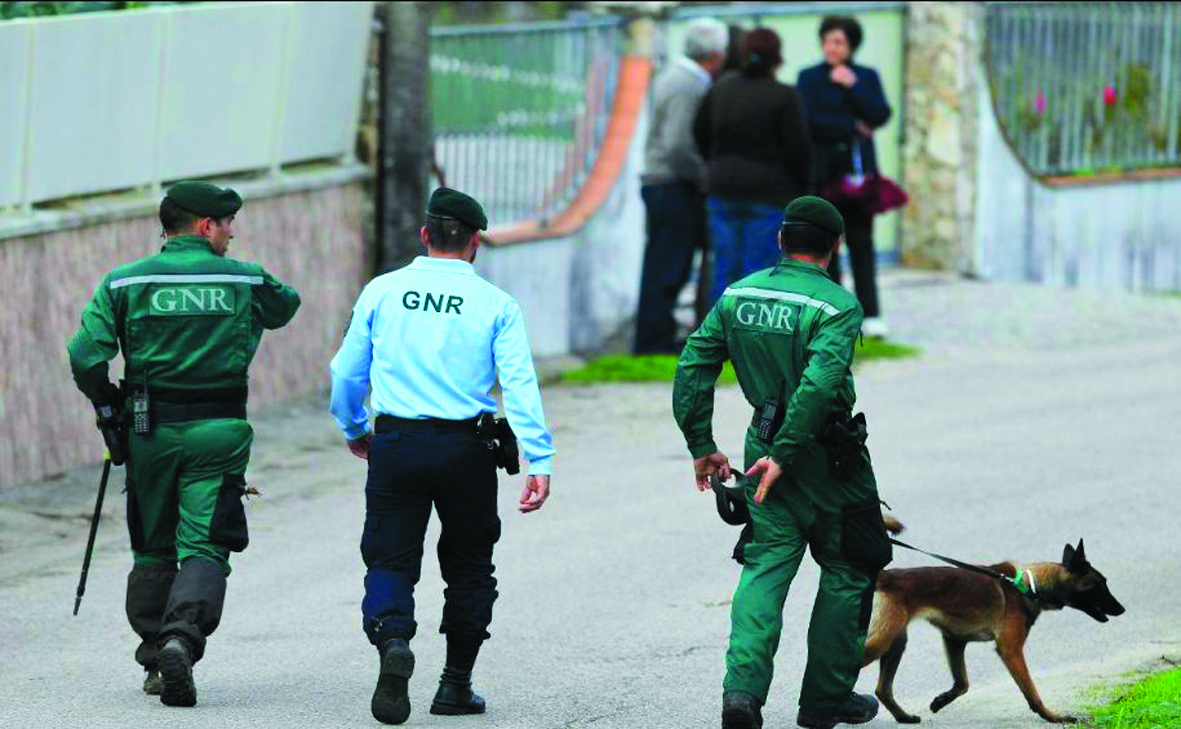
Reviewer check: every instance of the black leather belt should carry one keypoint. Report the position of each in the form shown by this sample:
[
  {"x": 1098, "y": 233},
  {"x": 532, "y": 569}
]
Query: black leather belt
[
  {"x": 389, "y": 424},
  {"x": 166, "y": 412},
  {"x": 190, "y": 395}
]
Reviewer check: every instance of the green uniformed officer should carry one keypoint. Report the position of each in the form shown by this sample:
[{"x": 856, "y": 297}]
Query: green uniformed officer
[
  {"x": 791, "y": 333},
  {"x": 188, "y": 321}
]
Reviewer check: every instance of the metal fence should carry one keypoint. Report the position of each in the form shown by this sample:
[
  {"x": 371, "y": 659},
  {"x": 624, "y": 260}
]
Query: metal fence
[
  {"x": 519, "y": 110},
  {"x": 1087, "y": 87}
]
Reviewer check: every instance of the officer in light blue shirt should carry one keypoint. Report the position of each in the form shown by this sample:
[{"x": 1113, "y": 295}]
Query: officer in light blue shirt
[{"x": 431, "y": 340}]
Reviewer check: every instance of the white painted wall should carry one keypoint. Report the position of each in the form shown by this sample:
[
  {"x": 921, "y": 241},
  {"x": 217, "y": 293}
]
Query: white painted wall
[
  {"x": 14, "y": 87},
  {"x": 92, "y": 103},
  {"x": 1124, "y": 235},
  {"x": 106, "y": 101}
]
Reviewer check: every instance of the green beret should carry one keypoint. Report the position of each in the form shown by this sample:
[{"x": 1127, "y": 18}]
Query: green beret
[
  {"x": 814, "y": 211},
  {"x": 451, "y": 204},
  {"x": 204, "y": 199}
]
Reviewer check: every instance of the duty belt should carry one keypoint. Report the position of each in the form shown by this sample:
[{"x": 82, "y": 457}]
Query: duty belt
[
  {"x": 197, "y": 395},
  {"x": 389, "y": 424},
  {"x": 165, "y": 412}
]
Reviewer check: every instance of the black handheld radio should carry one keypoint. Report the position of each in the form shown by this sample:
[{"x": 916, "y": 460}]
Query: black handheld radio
[
  {"x": 769, "y": 419},
  {"x": 141, "y": 410}
]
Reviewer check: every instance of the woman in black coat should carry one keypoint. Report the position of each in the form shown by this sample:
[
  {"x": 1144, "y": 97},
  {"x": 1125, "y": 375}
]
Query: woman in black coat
[
  {"x": 845, "y": 104},
  {"x": 750, "y": 128}
]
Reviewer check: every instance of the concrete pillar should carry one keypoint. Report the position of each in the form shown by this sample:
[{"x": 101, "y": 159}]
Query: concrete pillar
[{"x": 944, "y": 46}]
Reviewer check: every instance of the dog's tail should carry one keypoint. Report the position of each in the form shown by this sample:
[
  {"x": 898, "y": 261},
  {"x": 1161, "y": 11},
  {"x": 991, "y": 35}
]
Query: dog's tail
[{"x": 893, "y": 525}]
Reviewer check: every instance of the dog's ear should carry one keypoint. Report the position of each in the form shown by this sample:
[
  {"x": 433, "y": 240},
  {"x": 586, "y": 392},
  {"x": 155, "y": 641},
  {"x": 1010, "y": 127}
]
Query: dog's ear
[{"x": 1075, "y": 559}]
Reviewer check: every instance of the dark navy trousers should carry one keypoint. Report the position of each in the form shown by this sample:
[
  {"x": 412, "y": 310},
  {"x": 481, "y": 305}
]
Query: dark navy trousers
[
  {"x": 411, "y": 470},
  {"x": 862, "y": 256},
  {"x": 676, "y": 229}
]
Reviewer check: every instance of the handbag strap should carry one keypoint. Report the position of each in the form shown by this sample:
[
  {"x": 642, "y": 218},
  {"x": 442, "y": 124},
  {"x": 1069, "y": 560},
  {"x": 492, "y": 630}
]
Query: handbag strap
[{"x": 857, "y": 170}]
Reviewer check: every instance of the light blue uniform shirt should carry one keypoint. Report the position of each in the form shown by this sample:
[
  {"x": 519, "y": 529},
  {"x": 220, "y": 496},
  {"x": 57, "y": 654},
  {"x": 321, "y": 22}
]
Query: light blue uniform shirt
[{"x": 432, "y": 338}]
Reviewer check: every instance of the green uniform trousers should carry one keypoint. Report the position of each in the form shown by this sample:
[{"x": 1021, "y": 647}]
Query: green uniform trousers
[
  {"x": 788, "y": 520},
  {"x": 185, "y": 482}
]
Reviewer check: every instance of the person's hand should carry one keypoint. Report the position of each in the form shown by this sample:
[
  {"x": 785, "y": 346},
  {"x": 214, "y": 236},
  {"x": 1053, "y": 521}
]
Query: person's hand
[
  {"x": 769, "y": 470},
  {"x": 714, "y": 464},
  {"x": 862, "y": 128},
  {"x": 843, "y": 75},
  {"x": 359, "y": 447},
  {"x": 535, "y": 493}
]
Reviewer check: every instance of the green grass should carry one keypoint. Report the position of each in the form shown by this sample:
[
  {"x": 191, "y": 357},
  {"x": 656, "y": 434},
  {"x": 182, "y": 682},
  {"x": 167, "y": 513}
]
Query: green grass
[
  {"x": 883, "y": 349},
  {"x": 639, "y": 368},
  {"x": 663, "y": 367},
  {"x": 1151, "y": 703}
]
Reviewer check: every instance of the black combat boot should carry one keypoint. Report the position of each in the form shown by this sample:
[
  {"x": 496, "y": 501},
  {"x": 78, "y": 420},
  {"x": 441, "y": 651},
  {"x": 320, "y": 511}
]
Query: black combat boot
[
  {"x": 391, "y": 698},
  {"x": 741, "y": 711},
  {"x": 176, "y": 668},
  {"x": 857, "y": 709},
  {"x": 455, "y": 696}
]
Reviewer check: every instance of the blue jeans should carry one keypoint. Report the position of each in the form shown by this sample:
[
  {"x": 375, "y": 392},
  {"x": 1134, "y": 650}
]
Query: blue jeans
[{"x": 744, "y": 240}]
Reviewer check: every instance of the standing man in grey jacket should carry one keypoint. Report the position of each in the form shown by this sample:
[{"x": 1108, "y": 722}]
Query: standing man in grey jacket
[{"x": 673, "y": 183}]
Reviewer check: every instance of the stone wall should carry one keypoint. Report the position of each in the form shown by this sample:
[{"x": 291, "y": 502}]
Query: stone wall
[
  {"x": 311, "y": 239},
  {"x": 943, "y": 70}
]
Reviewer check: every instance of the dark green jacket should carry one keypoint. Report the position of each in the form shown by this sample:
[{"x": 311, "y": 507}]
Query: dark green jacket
[
  {"x": 791, "y": 332},
  {"x": 191, "y": 318}
]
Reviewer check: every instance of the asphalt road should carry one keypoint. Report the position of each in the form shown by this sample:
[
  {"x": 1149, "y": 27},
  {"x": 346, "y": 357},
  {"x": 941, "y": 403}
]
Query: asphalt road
[{"x": 1034, "y": 417}]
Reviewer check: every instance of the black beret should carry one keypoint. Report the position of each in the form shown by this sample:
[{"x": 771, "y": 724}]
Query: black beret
[
  {"x": 451, "y": 204},
  {"x": 814, "y": 211},
  {"x": 205, "y": 199}
]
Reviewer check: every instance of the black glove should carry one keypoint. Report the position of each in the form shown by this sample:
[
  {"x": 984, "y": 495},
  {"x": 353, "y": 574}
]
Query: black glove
[
  {"x": 112, "y": 396},
  {"x": 110, "y": 423}
]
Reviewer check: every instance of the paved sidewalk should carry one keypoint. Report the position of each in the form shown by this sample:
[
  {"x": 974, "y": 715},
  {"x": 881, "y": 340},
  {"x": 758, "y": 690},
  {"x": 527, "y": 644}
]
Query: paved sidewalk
[{"x": 946, "y": 312}]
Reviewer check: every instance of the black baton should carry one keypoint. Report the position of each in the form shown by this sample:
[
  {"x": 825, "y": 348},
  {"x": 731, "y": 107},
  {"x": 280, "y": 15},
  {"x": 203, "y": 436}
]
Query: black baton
[{"x": 98, "y": 506}]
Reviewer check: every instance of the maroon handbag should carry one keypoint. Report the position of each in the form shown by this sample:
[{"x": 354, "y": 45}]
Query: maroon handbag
[{"x": 871, "y": 194}]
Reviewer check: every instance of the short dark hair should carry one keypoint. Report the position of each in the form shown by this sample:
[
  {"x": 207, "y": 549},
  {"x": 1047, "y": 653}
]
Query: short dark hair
[
  {"x": 760, "y": 52},
  {"x": 175, "y": 218},
  {"x": 805, "y": 238},
  {"x": 850, "y": 27},
  {"x": 448, "y": 235}
]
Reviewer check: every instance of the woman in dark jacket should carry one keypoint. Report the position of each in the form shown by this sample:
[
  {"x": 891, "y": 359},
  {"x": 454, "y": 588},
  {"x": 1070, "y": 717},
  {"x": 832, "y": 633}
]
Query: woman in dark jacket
[
  {"x": 751, "y": 131},
  {"x": 845, "y": 103}
]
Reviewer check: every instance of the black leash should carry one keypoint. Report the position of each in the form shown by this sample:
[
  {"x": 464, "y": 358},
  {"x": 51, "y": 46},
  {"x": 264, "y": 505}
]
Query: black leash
[{"x": 1028, "y": 592}]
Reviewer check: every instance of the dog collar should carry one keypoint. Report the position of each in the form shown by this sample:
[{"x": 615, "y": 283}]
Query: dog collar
[{"x": 1031, "y": 590}]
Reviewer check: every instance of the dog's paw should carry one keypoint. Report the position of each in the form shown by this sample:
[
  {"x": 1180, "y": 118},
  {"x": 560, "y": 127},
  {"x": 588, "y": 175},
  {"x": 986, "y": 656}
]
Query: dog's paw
[
  {"x": 1065, "y": 719},
  {"x": 943, "y": 700},
  {"x": 901, "y": 716}
]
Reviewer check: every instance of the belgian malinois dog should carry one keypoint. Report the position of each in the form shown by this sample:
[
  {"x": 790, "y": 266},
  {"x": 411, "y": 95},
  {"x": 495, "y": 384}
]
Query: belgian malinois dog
[{"x": 968, "y": 607}]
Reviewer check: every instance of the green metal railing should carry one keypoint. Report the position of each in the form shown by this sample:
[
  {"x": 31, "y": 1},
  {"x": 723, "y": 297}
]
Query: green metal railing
[
  {"x": 1080, "y": 88},
  {"x": 519, "y": 110}
]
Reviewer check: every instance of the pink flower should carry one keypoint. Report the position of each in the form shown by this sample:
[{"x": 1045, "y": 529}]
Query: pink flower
[
  {"x": 1039, "y": 104},
  {"x": 1109, "y": 94}
]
